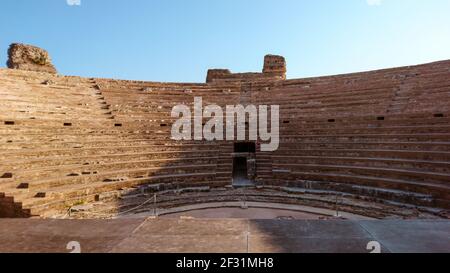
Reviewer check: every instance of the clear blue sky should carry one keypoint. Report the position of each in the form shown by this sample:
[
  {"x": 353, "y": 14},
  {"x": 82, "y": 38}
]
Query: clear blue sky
[{"x": 178, "y": 40}]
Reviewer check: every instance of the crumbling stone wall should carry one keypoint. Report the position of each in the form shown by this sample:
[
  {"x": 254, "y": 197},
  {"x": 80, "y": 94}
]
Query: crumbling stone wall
[
  {"x": 31, "y": 58},
  {"x": 274, "y": 68},
  {"x": 275, "y": 65},
  {"x": 217, "y": 74}
]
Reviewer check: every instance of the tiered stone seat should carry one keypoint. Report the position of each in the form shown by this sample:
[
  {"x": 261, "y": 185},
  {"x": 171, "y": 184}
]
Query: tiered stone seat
[
  {"x": 77, "y": 146},
  {"x": 381, "y": 136},
  {"x": 149, "y": 105}
]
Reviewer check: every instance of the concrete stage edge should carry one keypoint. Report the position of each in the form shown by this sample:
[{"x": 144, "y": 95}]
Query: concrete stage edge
[{"x": 151, "y": 235}]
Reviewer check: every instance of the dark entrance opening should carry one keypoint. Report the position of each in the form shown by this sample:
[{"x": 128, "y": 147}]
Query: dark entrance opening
[
  {"x": 245, "y": 147},
  {"x": 240, "y": 168},
  {"x": 243, "y": 159}
]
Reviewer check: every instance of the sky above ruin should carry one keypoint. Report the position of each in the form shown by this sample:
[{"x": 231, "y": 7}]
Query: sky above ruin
[{"x": 178, "y": 40}]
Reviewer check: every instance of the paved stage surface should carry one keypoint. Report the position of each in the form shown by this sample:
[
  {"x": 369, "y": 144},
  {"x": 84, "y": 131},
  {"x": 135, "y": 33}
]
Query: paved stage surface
[{"x": 223, "y": 235}]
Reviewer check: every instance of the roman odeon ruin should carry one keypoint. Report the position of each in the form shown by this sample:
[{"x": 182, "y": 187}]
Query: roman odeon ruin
[{"x": 372, "y": 144}]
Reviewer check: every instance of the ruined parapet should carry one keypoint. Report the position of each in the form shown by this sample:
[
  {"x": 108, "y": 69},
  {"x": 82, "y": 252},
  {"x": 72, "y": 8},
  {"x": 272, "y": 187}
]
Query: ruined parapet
[
  {"x": 31, "y": 58},
  {"x": 217, "y": 74},
  {"x": 274, "y": 69},
  {"x": 275, "y": 65}
]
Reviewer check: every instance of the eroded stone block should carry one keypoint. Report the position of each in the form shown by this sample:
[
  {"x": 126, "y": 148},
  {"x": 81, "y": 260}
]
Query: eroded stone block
[{"x": 31, "y": 58}]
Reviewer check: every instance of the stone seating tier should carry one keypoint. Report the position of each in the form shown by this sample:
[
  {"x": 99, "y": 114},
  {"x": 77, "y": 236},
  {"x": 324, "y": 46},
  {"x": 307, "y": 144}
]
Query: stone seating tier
[{"x": 380, "y": 136}]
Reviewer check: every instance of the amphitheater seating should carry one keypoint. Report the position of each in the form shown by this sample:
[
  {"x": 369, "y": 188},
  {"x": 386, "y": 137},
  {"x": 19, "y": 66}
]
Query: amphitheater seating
[
  {"x": 383, "y": 135},
  {"x": 68, "y": 140}
]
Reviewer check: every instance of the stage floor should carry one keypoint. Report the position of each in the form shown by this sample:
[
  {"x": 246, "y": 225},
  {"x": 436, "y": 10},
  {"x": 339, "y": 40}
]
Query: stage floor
[{"x": 223, "y": 235}]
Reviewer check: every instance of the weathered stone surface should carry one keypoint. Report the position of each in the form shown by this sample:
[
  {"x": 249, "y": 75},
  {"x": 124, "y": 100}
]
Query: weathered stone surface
[
  {"x": 217, "y": 74},
  {"x": 275, "y": 65},
  {"x": 31, "y": 58},
  {"x": 81, "y": 208}
]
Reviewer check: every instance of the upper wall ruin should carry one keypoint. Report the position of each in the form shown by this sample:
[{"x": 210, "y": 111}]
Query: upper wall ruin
[
  {"x": 274, "y": 68},
  {"x": 31, "y": 58}
]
